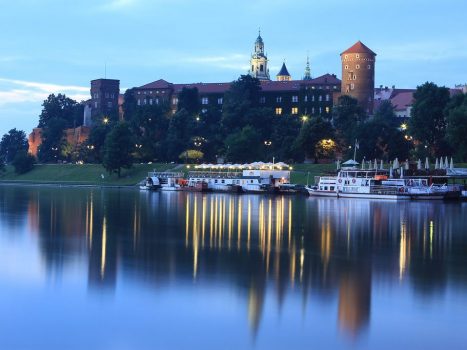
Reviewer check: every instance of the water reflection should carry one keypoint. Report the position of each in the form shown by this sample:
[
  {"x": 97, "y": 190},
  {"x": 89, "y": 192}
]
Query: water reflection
[{"x": 326, "y": 249}]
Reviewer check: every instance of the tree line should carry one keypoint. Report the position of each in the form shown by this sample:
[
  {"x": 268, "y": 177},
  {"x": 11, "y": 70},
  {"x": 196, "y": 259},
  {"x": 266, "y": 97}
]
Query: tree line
[{"x": 246, "y": 131}]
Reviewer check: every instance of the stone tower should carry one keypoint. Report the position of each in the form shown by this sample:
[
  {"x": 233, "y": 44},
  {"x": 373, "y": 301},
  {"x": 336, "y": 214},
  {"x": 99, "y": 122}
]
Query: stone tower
[
  {"x": 104, "y": 97},
  {"x": 358, "y": 75},
  {"x": 283, "y": 74},
  {"x": 259, "y": 61}
]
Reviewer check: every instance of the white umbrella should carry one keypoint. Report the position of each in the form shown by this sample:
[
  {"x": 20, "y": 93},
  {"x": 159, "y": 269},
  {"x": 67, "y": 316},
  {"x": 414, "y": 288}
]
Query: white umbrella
[
  {"x": 391, "y": 175},
  {"x": 419, "y": 164},
  {"x": 441, "y": 163},
  {"x": 338, "y": 164},
  {"x": 436, "y": 164},
  {"x": 427, "y": 163},
  {"x": 451, "y": 166},
  {"x": 406, "y": 164},
  {"x": 350, "y": 162},
  {"x": 402, "y": 172},
  {"x": 363, "y": 164},
  {"x": 396, "y": 163},
  {"x": 381, "y": 165},
  {"x": 376, "y": 165},
  {"x": 446, "y": 163}
]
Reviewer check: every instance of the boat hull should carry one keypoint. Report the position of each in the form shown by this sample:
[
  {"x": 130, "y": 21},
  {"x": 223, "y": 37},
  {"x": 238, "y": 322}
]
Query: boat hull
[
  {"x": 318, "y": 193},
  {"x": 374, "y": 196}
]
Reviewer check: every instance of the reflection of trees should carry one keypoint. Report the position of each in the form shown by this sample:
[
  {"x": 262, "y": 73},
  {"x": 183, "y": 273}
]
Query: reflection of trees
[{"x": 328, "y": 248}]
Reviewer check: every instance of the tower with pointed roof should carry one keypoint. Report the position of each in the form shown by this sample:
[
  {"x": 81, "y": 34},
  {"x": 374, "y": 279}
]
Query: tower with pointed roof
[
  {"x": 283, "y": 74},
  {"x": 307, "y": 75},
  {"x": 259, "y": 61},
  {"x": 358, "y": 75}
]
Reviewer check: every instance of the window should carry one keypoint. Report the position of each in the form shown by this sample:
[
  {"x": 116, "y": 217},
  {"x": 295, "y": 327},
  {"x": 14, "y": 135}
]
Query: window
[
  {"x": 261, "y": 67},
  {"x": 313, "y": 98},
  {"x": 112, "y": 95},
  {"x": 139, "y": 92},
  {"x": 150, "y": 92},
  {"x": 306, "y": 98},
  {"x": 320, "y": 98},
  {"x": 352, "y": 86},
  {"x": 278, "y": 111},
  {"x": 252, "y": 68},
  {"x": 328, "y": 97},
  {"x": 357, "y": 66},
  {"x": 175, "y": 101},
  {"x": 357, "y": 55},
  {"x": 346, "y": 67},
  {"x": 328, "y": 109},
  {"x": 150, "y": 101},
  {"x": 145, "y": 101},
  {"x": 320, "y": 110},
  {"x": 345, "y": 56},
  {"x": 139, "y": 102},
  {"x": 96, "y": 95},
  {"x": 144, "y": 92},
  {"x": 369, "y": 66},
  {"x": 157, "y": 101},
  {"x": 220, "y": 100},
  {"x": 95, "y": 104},
  {"x": 204, "y": 101},
  {"x": 294, "y": 98},
  {"x": 262, "y": 99},
  {"x": 109, "y": 104},
  {"x": 354, "y": 77},
  {"x": 279, "y": 99},
  {"x": 294, "y": 110},
  {"x": 312, "y": 110}
]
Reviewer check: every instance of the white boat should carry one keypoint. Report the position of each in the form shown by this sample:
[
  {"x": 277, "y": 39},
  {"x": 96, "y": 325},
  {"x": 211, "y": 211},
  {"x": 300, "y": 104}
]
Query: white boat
[
  {"x": 151, "y": 183},
  {"x": 168, "y": 181},
  {"x": 326, "y": 187},
  {"x": 249, "y": 180},
  {"x": 355, "y": 183}
]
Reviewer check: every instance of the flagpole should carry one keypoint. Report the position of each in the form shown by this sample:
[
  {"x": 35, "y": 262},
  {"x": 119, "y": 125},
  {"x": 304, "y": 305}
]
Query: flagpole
[{"x": 355, "y": 150}]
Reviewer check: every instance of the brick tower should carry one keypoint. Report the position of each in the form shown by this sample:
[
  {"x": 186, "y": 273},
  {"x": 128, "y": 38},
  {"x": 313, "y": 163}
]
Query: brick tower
[
  {"x": 104, "y": 97},
  {"x": 358, "y": 75}
]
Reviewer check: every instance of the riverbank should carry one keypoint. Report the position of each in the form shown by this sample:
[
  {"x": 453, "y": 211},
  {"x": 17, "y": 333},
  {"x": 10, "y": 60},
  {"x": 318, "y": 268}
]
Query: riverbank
[{"x": 96, "y": 175}]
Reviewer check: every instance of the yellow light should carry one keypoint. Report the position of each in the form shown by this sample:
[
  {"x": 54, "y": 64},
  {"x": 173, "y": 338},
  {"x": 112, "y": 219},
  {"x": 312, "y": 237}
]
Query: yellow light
[
  {"x": 188, "y": 167},
  {"x": 404, "y": 126},
  {"x": 105, "y": 120},
  {"x": 290, "y": 168}
]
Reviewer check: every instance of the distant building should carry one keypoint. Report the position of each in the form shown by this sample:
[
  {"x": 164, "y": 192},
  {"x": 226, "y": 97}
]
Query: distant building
[
  {"x": 307, "y": 75},
  {"x": 104, "y": 96},
  {"x": 259, "y": 61},
  {"x": 283, "y": 74},
  {"x": 358, "y": 74}
]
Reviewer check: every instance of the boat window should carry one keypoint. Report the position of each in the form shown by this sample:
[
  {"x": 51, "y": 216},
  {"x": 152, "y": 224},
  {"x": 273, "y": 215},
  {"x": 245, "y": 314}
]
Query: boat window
[
  {"x": 251, "y": 181},
  {"x": 215, "y": 181},
  {"x": 223, "y": 181},
  {"x": 332, "y": 188}
]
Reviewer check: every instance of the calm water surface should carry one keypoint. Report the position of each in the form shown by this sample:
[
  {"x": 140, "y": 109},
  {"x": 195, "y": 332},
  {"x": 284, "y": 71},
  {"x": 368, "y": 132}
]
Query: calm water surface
[{"x": 123, "y": 269}]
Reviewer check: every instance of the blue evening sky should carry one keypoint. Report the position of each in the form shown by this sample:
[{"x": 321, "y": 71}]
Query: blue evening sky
[{"x": 59, "y": 45}]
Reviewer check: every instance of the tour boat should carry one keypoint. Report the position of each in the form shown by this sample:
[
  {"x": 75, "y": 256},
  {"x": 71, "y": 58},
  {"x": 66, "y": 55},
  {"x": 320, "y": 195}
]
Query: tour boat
[
  {"x": 354, "y": 183},
  {"x": 150, "y": 184},
  {"x": 326, "y": 187},
  {"x": 168, "y": 181}
]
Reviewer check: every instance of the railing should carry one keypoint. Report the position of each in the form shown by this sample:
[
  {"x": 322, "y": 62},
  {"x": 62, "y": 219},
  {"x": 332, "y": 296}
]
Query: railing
[
  {"x": 215, "y": 174},
  {"x": 165, "y": 175}
]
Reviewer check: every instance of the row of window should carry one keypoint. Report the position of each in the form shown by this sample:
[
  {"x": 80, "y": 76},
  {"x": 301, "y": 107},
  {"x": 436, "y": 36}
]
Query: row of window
[
  {"x": 357, "y": 66},
  {"x": 107, "y": 95},
  {"x": 294, "y": 110},
  {"x": 145, "y": 101},
  {"x": 151, "y": 92},
  {"x": 109, "y": 104}
]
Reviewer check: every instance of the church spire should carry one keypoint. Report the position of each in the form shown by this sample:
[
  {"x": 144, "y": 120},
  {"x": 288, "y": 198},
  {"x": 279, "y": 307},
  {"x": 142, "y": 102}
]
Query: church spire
[
  {"x": 307, "y": 69},
  {"x": 259, "y": 60}
]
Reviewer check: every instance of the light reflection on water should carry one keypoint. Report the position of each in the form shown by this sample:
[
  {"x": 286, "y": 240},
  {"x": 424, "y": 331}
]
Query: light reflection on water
[{"x": 228, "y": 271}]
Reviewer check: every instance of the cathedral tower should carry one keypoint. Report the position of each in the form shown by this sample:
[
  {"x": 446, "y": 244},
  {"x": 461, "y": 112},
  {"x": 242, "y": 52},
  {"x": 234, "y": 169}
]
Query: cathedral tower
[
  {"x": 283, "y": 74},
  {"x": 259, "y": 61},
  {"x": 358, "y": 75},
  {"x": 307, "y": 75}
]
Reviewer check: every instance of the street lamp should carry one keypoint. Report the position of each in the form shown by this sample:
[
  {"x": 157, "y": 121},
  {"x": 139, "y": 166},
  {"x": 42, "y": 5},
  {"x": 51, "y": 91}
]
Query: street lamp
[
  {"x": 105, "y": 120},
  {"x": 267, "y": 143},
  {"x": 304, "y": 118}
]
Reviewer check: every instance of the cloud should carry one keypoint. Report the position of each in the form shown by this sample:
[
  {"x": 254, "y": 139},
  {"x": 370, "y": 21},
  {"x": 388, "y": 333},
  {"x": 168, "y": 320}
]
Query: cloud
[
  {"x": 19, "y": 91},
  {"x": 115, "y": 5}
]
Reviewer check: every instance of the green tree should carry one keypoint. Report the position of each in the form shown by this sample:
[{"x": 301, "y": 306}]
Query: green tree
[
  {"x": 243, "y": 146},
  {"x": 23, "y": 162},
  {"x": 61, "y": 107},
  {"x": 456, "y": 131},
  {"x": 347, "y": 114},
  {"x": 427, "y": 124},
  {"x": 13, "y": 142},
  {"x": 311, "y": 133},
  {"x": 129, "y": 104},
  {"x": 118, "y": 148},
  {"x": 180, "y": 133},
  {"x": 191, "y": 154},
  {"x": 53, "y": 141}
]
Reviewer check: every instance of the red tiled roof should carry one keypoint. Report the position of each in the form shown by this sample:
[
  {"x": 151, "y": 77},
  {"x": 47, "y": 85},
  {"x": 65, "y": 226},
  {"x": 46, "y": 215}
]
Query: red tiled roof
[
  {"x": 266, "y": 85},
  {"x": 158, "y": 84},
  {"x": 402, "y": 100},
  {"x": 358, "y": 47}
]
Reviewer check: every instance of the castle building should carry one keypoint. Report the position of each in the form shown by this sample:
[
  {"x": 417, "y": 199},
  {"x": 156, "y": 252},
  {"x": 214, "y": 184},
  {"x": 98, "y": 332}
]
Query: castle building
[
  {"x": 358, "y": 75},
  {"x": 259, "y": 61},
  {"x": 104, "y": 97},
  {"x": 283, "y": 74}
]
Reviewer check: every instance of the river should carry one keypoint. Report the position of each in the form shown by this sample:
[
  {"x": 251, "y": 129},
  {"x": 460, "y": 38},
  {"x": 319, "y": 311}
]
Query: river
[{"x": 122, "y": 269}]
